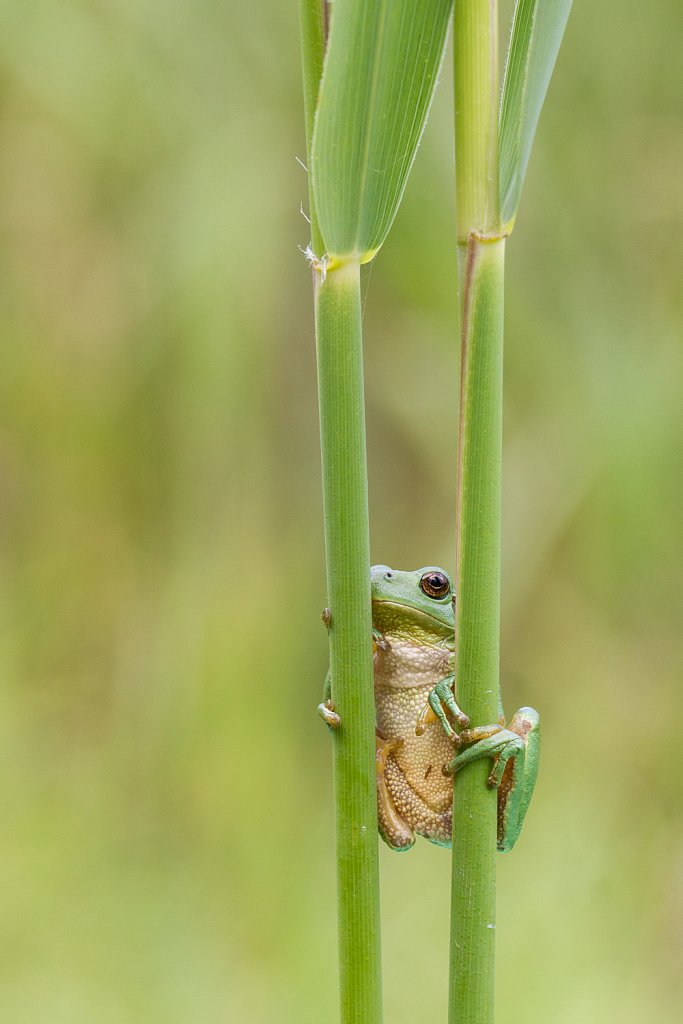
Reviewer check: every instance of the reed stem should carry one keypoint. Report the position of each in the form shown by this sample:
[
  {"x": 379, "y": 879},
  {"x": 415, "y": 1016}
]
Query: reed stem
[
  {"x": 347, "y": 544},
  {"x": 481, "y": 266}
]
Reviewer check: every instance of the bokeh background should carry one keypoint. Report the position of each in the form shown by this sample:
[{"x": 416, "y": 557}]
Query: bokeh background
[{"x": 166, "y": 851}]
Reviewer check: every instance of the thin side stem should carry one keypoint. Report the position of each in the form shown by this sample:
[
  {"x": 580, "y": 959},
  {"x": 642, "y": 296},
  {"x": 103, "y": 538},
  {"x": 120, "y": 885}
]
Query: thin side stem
[{"x": 347, "y": 543}]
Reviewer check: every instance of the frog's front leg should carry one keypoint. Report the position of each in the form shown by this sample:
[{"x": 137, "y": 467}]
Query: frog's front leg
[
  {"x": 326, "y": 709},
  {"x": 440, "y": 700},
  {"x": 515, "y": 751}
]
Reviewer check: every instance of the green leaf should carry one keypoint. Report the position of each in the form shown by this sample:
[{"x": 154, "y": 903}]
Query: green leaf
[
  {"x": 537, "y": 30},
  {"x": 381, "y": 67}
]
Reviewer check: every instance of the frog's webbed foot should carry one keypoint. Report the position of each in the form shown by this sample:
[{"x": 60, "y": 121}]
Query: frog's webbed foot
[
  {"x": 328, "y": 714},
  {"x": 394, "y": 830},
  {"x": 515, "y": 750},
  {"x": 441, "y": 703},
  {"x": 326, "y": 709},
  {"x": 487, "y": 741}
]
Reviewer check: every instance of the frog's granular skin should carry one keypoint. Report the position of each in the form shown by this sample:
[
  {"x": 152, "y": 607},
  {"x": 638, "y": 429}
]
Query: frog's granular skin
[
  {"x": 423, "y": 820},
  {"x": 415, "y": 783},
  {"x": 410, "y": 665},
  {"x": 420, "y": 758}
]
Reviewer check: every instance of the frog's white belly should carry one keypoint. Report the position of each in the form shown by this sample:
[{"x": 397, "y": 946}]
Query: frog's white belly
[{"x": 407, "y": 665}]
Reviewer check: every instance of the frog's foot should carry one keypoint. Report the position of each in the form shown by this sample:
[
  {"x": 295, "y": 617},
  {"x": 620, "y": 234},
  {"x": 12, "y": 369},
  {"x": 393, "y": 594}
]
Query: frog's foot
[
  {"x": 329, "y": 715},
  {"x": 440, "y": 701},
  {"x": 487, "y": 741},
  {"x": 395, "y": 832},
  {"x": 515, "y": 750},
  {"x": 379, "y": 642}
]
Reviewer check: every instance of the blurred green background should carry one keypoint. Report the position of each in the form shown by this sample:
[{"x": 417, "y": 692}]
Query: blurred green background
[{"x": 167, "y": 838}]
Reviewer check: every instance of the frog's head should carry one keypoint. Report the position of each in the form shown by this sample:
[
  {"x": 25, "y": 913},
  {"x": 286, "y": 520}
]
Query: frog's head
[{"x": 416, "y": 606}]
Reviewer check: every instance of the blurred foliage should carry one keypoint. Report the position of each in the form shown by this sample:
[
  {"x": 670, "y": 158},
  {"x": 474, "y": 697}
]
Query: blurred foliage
[{"x": 167, "y": 847}]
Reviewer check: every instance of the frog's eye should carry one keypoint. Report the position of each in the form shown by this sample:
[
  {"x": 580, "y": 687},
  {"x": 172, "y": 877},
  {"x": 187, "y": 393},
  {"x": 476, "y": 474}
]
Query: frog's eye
[{"x": 435, "y": 584}]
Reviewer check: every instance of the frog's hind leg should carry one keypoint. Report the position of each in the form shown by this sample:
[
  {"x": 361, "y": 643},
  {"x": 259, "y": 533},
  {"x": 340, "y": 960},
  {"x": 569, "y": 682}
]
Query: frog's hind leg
[
  {"x": 395, "y": 832},
  {"x": 518, "y": 778},
  {"x": 515, "y": 751}
]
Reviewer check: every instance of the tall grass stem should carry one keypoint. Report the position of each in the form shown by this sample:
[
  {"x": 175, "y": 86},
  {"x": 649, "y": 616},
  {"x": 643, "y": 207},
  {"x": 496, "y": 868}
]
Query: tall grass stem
[
  {"x": 347, "y": 544},
  {"x": 475, "y": 80},
  {"x": 339, "y": 345},
  {"x": 481, "y": 266},
  {"x": 473, "y": 906}
]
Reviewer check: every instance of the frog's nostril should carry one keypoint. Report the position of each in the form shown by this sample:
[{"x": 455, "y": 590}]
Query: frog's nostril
[{"x": 388, "y": 575}]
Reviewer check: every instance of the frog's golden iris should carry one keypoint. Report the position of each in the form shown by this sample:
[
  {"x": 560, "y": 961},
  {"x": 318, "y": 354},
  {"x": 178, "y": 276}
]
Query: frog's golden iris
[{"x": 435, "y": 584}]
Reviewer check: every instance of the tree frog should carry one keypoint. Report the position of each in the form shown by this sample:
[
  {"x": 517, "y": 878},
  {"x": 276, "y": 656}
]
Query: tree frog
[{"x": 418, "y": 748}]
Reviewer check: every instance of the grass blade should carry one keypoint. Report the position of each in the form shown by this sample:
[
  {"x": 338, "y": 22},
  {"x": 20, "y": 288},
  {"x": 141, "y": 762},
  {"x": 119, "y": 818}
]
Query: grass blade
[
  {"x": 381, "y": 67},
  {"x": 312, "y": 32},
  {"x": 537, "y": 30}
]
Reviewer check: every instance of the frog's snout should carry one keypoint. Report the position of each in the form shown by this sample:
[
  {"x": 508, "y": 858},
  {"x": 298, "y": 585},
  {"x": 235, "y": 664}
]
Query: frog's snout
[{"x": 383, "y": 571}]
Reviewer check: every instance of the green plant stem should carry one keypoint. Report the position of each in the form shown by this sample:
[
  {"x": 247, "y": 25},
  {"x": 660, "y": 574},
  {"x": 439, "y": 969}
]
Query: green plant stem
[
  {"x": 339, "y": 344},
  {"x": 473, "y": 903},
  {"x": 347, "y": 544},
  {"x": 475, "y": 79},
  {"x": 481, "y": 267}
]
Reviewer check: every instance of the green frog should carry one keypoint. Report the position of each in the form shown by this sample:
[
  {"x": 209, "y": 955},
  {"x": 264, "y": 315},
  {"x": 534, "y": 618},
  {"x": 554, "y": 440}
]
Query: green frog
[{"x": 419, "y": 746}]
